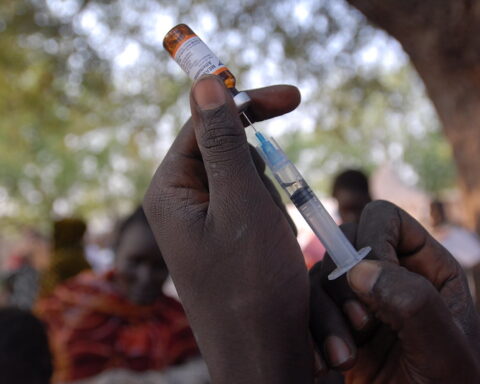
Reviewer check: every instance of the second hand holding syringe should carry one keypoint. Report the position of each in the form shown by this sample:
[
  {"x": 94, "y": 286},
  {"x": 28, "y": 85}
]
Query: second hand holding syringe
[{"x": 287, "y": 175}]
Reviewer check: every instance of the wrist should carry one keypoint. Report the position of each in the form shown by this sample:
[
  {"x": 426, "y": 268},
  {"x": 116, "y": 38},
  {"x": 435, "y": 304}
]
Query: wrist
[
  {"x": 260, "y": 353},
  {"x": 266, "y": 343}
]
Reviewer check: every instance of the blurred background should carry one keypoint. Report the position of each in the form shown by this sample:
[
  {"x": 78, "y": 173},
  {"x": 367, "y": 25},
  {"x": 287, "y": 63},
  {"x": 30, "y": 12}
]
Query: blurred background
[{"x": 90, "y": 101}]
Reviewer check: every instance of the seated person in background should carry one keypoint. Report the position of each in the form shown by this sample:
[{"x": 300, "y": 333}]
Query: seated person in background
[
  {"x": 192, "y": 372},
  {"x": 405, "y": 317},
  {"x": 120, "y": 319},
  {"x": 24, "y": 354},
  {"x": 68, "y": 255},
  {"x": 350, "y": 189},
  {"x": 23, "y": 284},
  {"x": 463, "y": 244}
]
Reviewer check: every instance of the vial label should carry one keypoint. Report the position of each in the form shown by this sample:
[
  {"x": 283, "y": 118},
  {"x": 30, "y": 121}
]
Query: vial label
[{"x": 196, "y": 59}]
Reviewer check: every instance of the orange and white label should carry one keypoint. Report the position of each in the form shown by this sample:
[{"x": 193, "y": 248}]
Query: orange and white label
[{"x": 196, "y": 59}]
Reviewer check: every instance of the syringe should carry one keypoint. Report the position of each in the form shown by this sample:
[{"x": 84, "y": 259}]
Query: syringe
[{"x": 287, "y": 175}]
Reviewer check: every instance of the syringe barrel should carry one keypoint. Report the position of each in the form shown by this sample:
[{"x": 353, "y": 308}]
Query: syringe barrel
[
  {"x": 290, "y": 179},
  {"x": 322, "y": 224}
]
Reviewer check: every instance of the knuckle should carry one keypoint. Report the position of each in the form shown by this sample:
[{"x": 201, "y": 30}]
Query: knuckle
[
  {"x": 380, "y": 225},
  {"x": 221, "y": 133},
  {"x": 376, "y": 206},
  {"x": 149, "y": 201},
  {"x": 416, "y": 300},
  {"x": 410, "y": 294},
  {"x": 170, "y": 209},
  {"x": 154, "y": 204}
]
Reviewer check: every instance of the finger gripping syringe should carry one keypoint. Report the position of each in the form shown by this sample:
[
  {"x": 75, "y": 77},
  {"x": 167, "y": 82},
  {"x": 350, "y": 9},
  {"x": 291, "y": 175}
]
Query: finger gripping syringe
[{"x": 287, "y": 175}]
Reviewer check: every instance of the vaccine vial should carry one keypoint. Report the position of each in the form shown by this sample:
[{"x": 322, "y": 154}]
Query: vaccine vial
[{"x": 196, "y": 59}]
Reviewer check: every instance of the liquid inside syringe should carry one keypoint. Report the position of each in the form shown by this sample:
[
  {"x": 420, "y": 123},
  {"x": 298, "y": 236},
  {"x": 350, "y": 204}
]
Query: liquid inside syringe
[{"x": 287, "y": 175}]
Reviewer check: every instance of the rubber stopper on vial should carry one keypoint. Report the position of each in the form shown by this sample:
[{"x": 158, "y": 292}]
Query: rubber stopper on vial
[{"x": 242, "y": 101}]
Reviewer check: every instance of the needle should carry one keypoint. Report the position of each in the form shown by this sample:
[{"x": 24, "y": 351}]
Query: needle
[{"x": 249, "y": 122}]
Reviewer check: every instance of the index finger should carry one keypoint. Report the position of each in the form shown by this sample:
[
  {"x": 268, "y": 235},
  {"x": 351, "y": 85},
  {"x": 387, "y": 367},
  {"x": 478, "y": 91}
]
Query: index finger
[
  {"x": 272, "y": 101},
  {"x": 397, "y": 237}
]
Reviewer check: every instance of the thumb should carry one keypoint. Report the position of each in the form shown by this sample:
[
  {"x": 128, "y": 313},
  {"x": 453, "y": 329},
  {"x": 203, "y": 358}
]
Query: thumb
[
  {"x": 221, "y": 139},
  {"x": 410, "y": 305}
]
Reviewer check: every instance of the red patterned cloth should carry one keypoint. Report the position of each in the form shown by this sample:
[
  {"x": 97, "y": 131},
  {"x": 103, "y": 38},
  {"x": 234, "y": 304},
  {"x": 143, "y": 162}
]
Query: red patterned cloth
[
  {"x": 93, "y": 329},
  {"x": 313, "y": 251}
]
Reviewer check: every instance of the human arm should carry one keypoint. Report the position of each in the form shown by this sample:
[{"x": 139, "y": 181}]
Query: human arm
[{"x": 228, "y": 245}]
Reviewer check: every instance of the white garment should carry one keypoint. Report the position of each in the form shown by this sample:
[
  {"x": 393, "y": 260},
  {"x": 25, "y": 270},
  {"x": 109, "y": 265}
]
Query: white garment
[
  {"x": 101, "y": 259},
  {"x": 191, "y": 372},
  {"x": 461, "y": 243}
]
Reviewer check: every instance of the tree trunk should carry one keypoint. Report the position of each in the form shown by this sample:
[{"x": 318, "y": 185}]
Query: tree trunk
[{"x": 442, "y": 38}]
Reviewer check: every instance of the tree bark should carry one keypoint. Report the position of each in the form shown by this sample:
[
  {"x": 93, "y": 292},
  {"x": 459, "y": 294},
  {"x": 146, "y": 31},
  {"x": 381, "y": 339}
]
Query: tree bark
[{"x": 442, "y": 38}]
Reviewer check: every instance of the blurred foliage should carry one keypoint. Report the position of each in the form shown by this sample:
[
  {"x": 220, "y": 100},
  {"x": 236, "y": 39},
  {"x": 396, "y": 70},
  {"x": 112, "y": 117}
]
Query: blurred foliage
[
  {"x": 367, "y": 121},
  {"x": 89, "y": 101},
  {"x": 431, "y": 158},
  {"x": 65, "y": 135}
]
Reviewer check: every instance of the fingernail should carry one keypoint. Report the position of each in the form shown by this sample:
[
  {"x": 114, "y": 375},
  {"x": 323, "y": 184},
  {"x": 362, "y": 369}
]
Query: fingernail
[
  {"x": 319, "y": 365},
  {"x": 209, "y": 93},
  {"x": 363, "y": 276},
  {"x": 357, "y": 314},
  {"x": 337, "y": 351}
]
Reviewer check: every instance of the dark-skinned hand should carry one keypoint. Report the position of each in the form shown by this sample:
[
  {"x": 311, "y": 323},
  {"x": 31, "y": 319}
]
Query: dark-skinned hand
[
  {"x": 405, "y": 317},
  {"x": 228, "y": 244}
]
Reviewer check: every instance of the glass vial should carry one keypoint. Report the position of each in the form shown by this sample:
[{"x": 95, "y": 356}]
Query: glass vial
[{"x": 194, "y": 56}]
